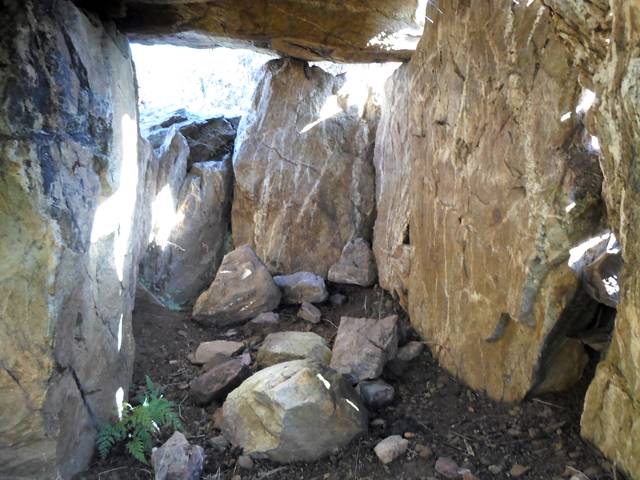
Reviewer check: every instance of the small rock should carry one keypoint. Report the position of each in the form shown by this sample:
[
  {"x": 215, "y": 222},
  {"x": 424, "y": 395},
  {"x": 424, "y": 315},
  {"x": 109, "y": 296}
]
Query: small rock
[
  {"x": 219, "y": 443},
  {"x": 410, "y": 351},
  {"x": 216, "y": 360},
  {"x": 495, "y": 469},
  {"x": 467, "y": 474},
  {"x": 447, "y": 467},
  {"x": 217, "y": 382},
  {"x": 177, "y": 459},
  {"x": 302, "y": 287},
  {"x": 356, "y": 265},
  {"x": 378, "y": 423},
  {"x": 267, "y": 318},
  {"x": 376, "y": 393},
  {"x": 310, "y": 313},
  {"x": 207, "y": 350},
  {"x": 409, "y": 435},
  {"x": 363, "y": 346},
  {"x": 245, "y": 462},
  {"x": 391, "y": 448},
  {"x": 518, "y": 470},
  {"x": 337, "y": 299},
  {"x": 281, "y": 347},
  {"x": 423, "y": 451}
]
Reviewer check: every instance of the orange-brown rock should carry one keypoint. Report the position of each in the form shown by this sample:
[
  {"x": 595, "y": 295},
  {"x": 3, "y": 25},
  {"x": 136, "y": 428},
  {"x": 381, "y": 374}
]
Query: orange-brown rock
[
  {"x": 303, "y": 170},
  {"x": 342, "y": 30},
  {"x": 494, "y": 166}
]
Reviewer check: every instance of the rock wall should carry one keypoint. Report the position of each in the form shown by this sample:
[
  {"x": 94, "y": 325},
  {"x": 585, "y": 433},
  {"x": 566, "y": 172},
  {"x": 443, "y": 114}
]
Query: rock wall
[
  {"x": 606, "y": 37},
  {"x": 502, "y": 185},
  {"x": 392, "y": 160},
  {"x": 303, "y": 170},
  {"x": 70, "y": 191},
  {"x": 345, "y": 30}
]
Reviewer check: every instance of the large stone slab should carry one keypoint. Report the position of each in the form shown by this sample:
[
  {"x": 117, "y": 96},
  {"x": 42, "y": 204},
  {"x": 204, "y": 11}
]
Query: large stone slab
[
  {"x": 293, "y": 411},
  {"x": 71, "y": 189},
  {"x": 348, "y": 30},
  {"x": 364, "y": 345},
  {"x": 502, "y": 185},
  {"x": 243, "y": 288},
  {"x": 303, "y": 169}
]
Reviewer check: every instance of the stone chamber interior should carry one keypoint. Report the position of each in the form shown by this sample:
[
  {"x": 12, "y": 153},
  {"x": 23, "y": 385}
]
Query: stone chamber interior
[{"x": 384, "y": 239}]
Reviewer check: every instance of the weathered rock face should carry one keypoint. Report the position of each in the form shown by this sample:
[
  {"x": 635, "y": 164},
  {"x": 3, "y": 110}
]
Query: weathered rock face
[
  {"x": 293, "y": 411},
  {"x": 177, "y": 459},
  {"x": 190, "y": 212},
  {"x": 302, "y": 287},
  {"x": 281, "y": 347},
  {"x": 349, "y": 30},
  {"x": 610, "y": 64},
  {"x": 303, "y": 168},
  {"x": 492, "y": 171},
  {"x": 242, "y": 289},
  {"x": 356, "y": 265},
  {"x": 69, "y": 208},
  {"x": 392, "y": 161}
]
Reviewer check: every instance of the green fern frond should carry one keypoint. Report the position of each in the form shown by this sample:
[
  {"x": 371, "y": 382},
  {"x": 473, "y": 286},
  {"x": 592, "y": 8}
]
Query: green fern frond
[{"x": 136, "y": 448}]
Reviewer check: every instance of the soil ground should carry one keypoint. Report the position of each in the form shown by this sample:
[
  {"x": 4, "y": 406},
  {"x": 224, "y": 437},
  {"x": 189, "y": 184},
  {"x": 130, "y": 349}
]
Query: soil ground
[{"x": 541, "y": 434}]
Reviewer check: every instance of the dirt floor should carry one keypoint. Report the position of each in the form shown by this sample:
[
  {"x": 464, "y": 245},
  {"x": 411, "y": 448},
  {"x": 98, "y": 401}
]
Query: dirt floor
[{"x": 541, "y": 434}]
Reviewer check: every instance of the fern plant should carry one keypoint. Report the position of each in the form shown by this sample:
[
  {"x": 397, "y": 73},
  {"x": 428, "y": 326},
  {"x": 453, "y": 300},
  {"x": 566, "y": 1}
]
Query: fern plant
[{"x": 138, "y": 425}]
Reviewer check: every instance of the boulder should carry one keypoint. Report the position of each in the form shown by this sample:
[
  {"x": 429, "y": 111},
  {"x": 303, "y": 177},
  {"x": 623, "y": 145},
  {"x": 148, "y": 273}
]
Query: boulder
[
  {"x": 303, "y": 169},
  {"x": 356, "y": 265},
  {"x": 177, "y": 459},
  {"x": 364, "y": 345},
  {"x": 190, "y": 223},
  {"x": 392, "y": 160},
  {"x": 310, "y": 313},
  {"x": 215, "y": 383},
  {"x": 390, "y": 448},
  {"x": 600, "y": 279},
  {"x": 302, "y": 287},
  {"x": 71, "y": 196},
  {"x": 284, "y": 346},
  {"x": 494, "y": 208},
  {"x": 376, "y": 393},
  {"x": 207, "y": 350},
  {"x": 242, "y": 289},
  {"x": 293, "y": 411},
  {"x": 345, "y": 31}
]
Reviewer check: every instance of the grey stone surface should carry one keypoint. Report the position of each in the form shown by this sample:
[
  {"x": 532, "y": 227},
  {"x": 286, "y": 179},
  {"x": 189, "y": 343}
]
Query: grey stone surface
[
  {"x": 281, "y": 347},
  {"x": 356, "y": 265},
  {"x": 376, "y": 393},
  {"x": 391, "y": 448},
  {"x": 302, "y": 287},
  {"x": 177, "y": 459},
  {"x": 310, "y": 313},
  {"x": 215, "y": 383}
]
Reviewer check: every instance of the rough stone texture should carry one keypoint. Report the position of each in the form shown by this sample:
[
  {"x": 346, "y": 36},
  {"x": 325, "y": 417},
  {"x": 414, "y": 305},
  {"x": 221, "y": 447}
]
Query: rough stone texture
[
  {"x": 356, "y": 265},
  {"x": 376, "y": 393},
  {"x": 611, "y": 64},
  {"x": 294, "y": 411},
  {"x": 302, "y": 287},
  {"x": 207, "y": 350},
  {"x": 191, "y": 211},
  {"x": 281, "y": 347},
  {"x": 492, "y": 171},
  {"x": 364, "y": 345},
  {"x": 310, "y": 313},
  {"x": 349, "y": 30},
  {"x": 268, "y": 318},
  {"x": 392, "y": 161},
  {"x": 242, "y": 289},
  {"x": 304, "y": 183},
  {"x": 70, "y": 186},
  {"x": 215, "y": 383},
  {"x": 177, "y": 459},
  {"x": 390, "y": 448}
]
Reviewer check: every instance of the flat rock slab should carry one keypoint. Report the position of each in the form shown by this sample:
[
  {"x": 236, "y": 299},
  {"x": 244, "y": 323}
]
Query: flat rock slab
[
  {"x": 242, "y": 289},
  {"x": 302, "y": 287},
  {"x": 177, "y": 459},
  {"x": 391, "y": 448},
  {"x": 217, "y": 382},
  {"x": 364, "y": 345},
  {"x": 208, "y": 350},
  {"x": 285, "y": 346},
  {"x": 293, "y": 411},
  {"x": 356, "y": 265},
  {"x": 310, "y": 313}
]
